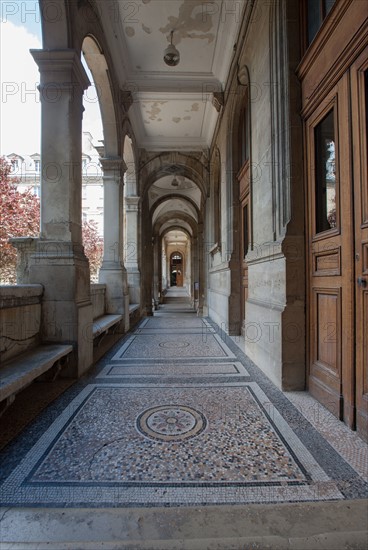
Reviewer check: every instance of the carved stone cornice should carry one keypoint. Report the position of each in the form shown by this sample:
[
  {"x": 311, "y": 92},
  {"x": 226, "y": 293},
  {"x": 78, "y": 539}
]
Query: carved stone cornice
[
  {"x": 60, "y": 70},
  {"x": 218, "y": 100}
]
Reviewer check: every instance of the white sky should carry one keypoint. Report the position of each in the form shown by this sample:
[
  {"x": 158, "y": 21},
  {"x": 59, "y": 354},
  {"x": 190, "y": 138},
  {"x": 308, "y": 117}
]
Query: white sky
[{"x": 20, "y": 31}]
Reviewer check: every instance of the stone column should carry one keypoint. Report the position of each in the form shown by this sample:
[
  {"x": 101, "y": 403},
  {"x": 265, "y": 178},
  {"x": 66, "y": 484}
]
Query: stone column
[
  {"x": 201, "y": 268},
  {"x": 195, "y": 272},
  {"x": 156, "y": 272},
  {"x": 113, "y": 273},
  {"x": 132, "y": 208},
  {"x": 58, "y": 261}
]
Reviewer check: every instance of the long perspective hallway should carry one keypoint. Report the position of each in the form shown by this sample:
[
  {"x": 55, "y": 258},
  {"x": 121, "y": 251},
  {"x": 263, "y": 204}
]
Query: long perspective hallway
[{"x": 176, "y": 415}]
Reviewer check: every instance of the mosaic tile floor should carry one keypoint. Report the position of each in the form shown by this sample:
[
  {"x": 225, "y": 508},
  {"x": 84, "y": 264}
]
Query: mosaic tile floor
[{"x": 176, "y": 414}]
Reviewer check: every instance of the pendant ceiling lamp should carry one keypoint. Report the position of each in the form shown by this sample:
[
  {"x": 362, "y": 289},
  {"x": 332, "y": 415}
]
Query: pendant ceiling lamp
[{"x": 171, "y": 54}]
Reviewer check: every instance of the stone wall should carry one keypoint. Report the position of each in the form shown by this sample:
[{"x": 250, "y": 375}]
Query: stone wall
[
  {"x": 274, "y": 323},
  {"x": 20, "y": 308}
]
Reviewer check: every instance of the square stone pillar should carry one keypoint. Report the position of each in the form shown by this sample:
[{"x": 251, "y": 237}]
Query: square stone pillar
[
  {"x": 113, "y": 273},
  {"x": 132, "y": 208},
  {"x": 57, "y": 259}
]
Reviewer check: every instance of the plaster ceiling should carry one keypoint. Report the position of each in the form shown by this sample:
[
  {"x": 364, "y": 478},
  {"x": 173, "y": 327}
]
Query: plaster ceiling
[
  {"x": 163, "y": 187},
  {"x": 176, "y": 238},
  {"x": 172, "y": 106},
  {"x": 176, "y": 223},
  {"x": 172, "y": 205}
]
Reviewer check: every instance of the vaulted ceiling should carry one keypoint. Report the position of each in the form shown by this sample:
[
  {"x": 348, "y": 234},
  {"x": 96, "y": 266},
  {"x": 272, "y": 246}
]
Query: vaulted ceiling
[{"x": 173, "y": 106}]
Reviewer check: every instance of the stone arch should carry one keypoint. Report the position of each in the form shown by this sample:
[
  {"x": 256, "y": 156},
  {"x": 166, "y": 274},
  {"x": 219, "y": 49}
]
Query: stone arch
[
  {"x": 175, "y": 163},
  {"x": 170, "y": 196},
  {"x": 97, "y": 64}
]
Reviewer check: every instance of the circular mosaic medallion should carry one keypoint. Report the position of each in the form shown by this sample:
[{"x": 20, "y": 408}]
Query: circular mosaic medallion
[
  {"x": 171, "y": 423},
  {"x": 174, "y": 345}
]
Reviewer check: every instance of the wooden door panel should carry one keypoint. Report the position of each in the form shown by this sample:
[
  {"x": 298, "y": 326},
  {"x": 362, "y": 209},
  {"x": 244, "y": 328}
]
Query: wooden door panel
[
  {"x": 328, "y": 327},
  {"x": 325, "y": 374}
]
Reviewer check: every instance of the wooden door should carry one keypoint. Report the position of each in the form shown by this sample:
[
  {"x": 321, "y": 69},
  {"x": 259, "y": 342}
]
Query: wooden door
[
  {"x": 330, "y": 237},
  {"x": 359, "y": 115},
  {"x": 244, "y": 197},
  {"x": 179, "y": 275}
]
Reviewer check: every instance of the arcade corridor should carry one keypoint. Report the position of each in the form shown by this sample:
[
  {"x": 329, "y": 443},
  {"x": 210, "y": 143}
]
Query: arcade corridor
[{"x": 176, "y": 415}]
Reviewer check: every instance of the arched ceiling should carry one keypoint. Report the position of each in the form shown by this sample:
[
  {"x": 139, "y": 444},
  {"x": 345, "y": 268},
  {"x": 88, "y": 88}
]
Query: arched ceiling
[
  {"x": 176, "y": 238},
  {"x": 172, "y": 106},
  {"x": 176, "y": 223},
  {"x": 175, "y": 204},
  {"x": 177, "y": 185}
]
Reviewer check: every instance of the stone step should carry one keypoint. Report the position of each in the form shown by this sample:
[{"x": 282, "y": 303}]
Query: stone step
[{"x": 326, "y": 525}]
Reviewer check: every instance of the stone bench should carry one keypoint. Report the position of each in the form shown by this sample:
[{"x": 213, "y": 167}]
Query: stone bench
[
  {"x": 102, "y": 325},
  {"x": 43, "y": 363}
]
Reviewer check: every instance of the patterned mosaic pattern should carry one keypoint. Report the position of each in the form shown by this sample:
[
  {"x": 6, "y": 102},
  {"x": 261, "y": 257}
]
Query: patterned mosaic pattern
[
  {"x": 237, "y": 449},
  {"x": 173, "y": 369},
  {"x": 178, "y": 322},
  {"x": 345, "y": 441},
  {"x": 167, "y": 346},
  {"x": 169, "y": 425}
]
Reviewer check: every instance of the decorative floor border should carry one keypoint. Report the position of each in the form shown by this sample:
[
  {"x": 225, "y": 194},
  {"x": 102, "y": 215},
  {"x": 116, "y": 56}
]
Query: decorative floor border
[
  {"x": 117, "y": 370},
  {"x": 119, "y": 356}
]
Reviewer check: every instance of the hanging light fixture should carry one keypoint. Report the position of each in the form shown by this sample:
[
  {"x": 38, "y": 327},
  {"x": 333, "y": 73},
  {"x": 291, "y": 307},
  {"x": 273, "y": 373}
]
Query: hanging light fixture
[{"x": 171, "y": 54}]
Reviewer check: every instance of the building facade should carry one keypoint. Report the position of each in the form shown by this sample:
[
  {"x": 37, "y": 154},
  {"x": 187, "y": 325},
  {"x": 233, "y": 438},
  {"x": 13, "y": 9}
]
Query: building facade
[{"x": 26, "y": 170}]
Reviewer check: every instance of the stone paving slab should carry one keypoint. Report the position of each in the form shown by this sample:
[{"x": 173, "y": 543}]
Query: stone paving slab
[{"x": 336, "y": 525}]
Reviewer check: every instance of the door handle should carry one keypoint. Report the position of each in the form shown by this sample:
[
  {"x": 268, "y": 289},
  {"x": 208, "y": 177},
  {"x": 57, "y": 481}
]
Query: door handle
[{"x": 362, "y": 282}]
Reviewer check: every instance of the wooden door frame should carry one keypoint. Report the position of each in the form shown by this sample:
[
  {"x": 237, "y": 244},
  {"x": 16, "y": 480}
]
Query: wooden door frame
[
  {"x": 360, "y": 173},
  {"x": 244, "y": 200}
]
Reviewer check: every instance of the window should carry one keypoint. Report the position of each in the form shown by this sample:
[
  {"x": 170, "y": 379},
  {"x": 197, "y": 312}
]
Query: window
[
  {"x": 366, "y": 103},
  {"x": 15, "y": 164},
  {"x": 245, "y": 231},
  {"x": 325, "y": 173},
  {"x": 37, "y": 166},
  {"x": 244, "y": 133},
  {"x": 317, "y": 11}
]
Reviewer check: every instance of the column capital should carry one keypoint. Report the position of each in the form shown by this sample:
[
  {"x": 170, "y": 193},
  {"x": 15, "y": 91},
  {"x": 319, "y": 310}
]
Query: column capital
[
  {"x": 113, "y": 164},
  {"x": 61, "y": 67},
  {"x": 132, "y": 203}
]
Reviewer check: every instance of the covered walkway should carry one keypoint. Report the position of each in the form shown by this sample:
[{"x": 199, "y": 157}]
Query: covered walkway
[{"x": 175, "y": 415}]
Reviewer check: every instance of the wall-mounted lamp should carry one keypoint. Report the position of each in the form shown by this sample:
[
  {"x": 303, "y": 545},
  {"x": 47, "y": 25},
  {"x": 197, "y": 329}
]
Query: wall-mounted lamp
[{"x": 171, "y": 54}]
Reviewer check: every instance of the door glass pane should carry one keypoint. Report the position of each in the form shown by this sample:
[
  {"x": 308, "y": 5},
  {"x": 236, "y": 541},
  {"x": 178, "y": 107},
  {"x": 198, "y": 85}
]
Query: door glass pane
[
  {"x": 328, "y": 6},
  {"x": 366, "y": 106},
  {"x": 314, "y": 18},
  {"x": 325, "y": 174}
]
